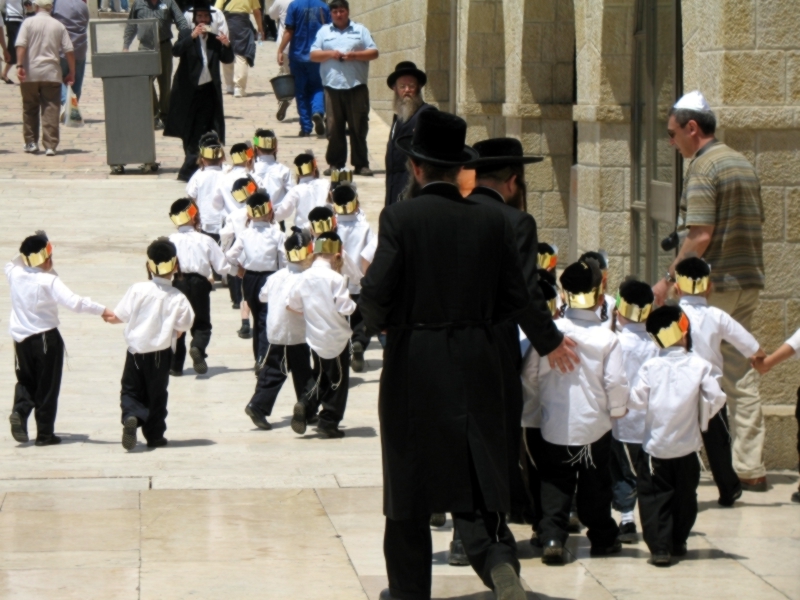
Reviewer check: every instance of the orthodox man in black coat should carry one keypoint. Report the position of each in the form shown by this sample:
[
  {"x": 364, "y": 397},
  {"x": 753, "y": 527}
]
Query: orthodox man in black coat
[
  {"x": 406, "y": 82},
  {"x": 196, "y": 100},
  {"x": 445, "y": 272}
]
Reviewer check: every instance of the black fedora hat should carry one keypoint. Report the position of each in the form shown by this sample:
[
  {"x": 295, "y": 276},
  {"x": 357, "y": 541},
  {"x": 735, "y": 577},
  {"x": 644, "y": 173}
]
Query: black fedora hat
[
  {"x": 438, "y": 139},
  {"x": 406, "y": 68},
  {"x": 499, "y": 152}
]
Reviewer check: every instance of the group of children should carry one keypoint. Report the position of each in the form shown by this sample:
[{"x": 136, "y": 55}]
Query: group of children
[
  {"x": 628, "y": 423},
  {"x": 300, "y": 288}
]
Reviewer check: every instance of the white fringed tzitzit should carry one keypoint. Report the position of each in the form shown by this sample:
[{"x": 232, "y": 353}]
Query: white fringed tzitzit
[
  {"x": 527, "y": 451},
  {"x": 585, "y": 454},
  {"x": 285, "y": 362},
  {"x": 335, "y": 386},
  {"x": 652, "y": 468},
  {"x": 630, "y": 462}
]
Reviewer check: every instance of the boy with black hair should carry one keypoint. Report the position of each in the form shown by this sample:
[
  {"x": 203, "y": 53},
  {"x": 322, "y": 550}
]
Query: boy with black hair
[
  {"x": 36, "y": 293},
  {"x": 275, "y": 177},
  {"x": 710, "y": 327},
  {"x": 203, "y": 187},
  {"x": 287, "y": 351},
  {"x": 198, "y": 256},
  {"x": 321, "y": 295},
  {"x": 309, "y": 192},
  {"x": 157, "y": 314},
  {"x": 576, "y": 411},
  {"x": 678, "y": 392},
  {"x": 607, "y": 306},
  {"x": 242, "y": 161},
  {"x": 258, "y": 252}
]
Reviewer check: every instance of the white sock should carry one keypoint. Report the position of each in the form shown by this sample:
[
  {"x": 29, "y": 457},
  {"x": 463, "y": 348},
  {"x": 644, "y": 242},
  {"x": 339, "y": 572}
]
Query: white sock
[{"x": 627, "y": 517}]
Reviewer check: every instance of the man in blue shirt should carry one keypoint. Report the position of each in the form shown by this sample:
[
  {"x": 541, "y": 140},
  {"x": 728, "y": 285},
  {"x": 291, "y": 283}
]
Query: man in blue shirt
[
  {"x": 344, "y": 49},
  {"x": 303, "y": 20}
]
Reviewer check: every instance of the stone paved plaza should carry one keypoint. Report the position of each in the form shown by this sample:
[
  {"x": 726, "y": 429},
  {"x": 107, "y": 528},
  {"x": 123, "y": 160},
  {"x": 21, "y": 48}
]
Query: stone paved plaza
[{"x": 227, "y": 511}]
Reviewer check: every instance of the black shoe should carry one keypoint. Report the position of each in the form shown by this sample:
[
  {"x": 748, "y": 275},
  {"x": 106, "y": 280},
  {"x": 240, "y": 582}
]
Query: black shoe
[
  {"x": 330, "y": 431},
  {"x": 245, "y": 332},
  {"x": 299, "y": 418},
  {"x": 159, "y": 443},
  {"x": 313, "y": 420},
  {"x": 304, "y": 133},
  {"x": 614, "y": 548},
  {"x": 574, "y": 525},
  {"x": 259, "y": 420},
  {"x": 176, "y": 373},
  {"x": 19, "y": 427},
  {"x": 282, "y": 108},
  {"x": 438, "y": 519},
  {"x": 521, "y": 516},
  {"x": 553, "y": 553},
  {"x": 236, "y": 305},
  {"x": 680, "y": 550},
  {"x": 358, "y": 357},
  {"x": 387, "y": 595},
  {"x": 661, "y": 559},
  {"x": 796, "y": 497},
  {"x": 47, "y": 440},
  {"x": 129, "y": 426},
  {"x": 728, "y": 502},
  {"x": 364, "y": 172},
  {"x": 198, "y": 360},
  {"x": 319, "y": 123},
  {"x": 458, "y": 556},
  {"x": 217, "y": 277},
  {"x": 507, "y": 585},
  {"x": 627, "y": 533}
]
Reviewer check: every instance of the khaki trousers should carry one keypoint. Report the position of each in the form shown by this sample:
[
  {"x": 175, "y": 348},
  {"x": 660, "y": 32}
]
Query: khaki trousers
[
  {"x": 235, "y": 74},
  {"x": 41, "y": 98},
  {"x": 740, "y": 382}
]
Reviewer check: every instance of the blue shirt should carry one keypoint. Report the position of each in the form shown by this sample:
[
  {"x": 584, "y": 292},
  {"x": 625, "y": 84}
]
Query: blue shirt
[
  {"x": 344, "y": 75},
  {"x": 304, "y": 19}
]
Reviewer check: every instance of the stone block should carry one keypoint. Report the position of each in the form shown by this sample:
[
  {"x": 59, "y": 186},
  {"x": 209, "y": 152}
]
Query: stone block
[
  {"x": 778, "y": 23},
  {"x": 768, "y": 323},
  {"x": 615, "y": 145},
  {"x": 792, "y": 317},
  {"x": 617, "y": 271},
  {"x": 555, "y": 209},
  {"x": 438, "y": 28},
  {"x": 482, "y": 16},
  {"x": 534, "y": 202},
  {"x": 727, "y": 25},
  {"x": 531, "y": 137},
  {"x": 615, "y": 232},
  {"x": 741, "y": 140},
  {"x": 778, "y": 160},
  {"x": 540, "y": 11},
  {"x": 615, "y": 83},
  {"x": 588, "y": 232},
  {"x": 780, "y": 448},
  {"x": 774, "y": 213},
  {"x": 588, "y": 143},
  {"x": 612, "y": 189},
  {"x": 557, "y": 137},
  {"x": 532, "y": 43},
  {"x": 793, "y": 77},
  {"x": 537, "y": 83},
  {"x": 563, "y": 82},
  {"x": 588, "y": 187},
  {"x": 782, "y": 264},
  {"x": 753, "y": 78},
  {"x": 493, "y": 55},
  {"x": 617, "y": 27},
  {"x": 478, "y": 84},
  {"x": 588, "y": 63},
  {"x": 539, "y": 176},
  {"x": 793, "y": 214}
]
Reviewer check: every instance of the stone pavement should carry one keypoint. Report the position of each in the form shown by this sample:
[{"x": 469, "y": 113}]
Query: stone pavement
[{"x": 227, "y": 511}]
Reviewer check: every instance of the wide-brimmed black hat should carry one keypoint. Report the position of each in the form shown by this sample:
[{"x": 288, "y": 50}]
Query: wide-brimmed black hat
[
  {"x": 438, "y": 139},
  {"x": 406, "y": 68},
  {"x": 500, "y": 152}
]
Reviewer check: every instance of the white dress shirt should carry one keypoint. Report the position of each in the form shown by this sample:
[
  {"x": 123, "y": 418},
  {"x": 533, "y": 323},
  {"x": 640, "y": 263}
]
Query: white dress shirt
[
  {"x": 712, "y": 326},
  {"x": 321, "y": 295},
  {"x": 277, "y": 12},
  {"x": 226, "y": 182},
  {"x": 154, "y": 312},
  {"x": 236, "y": 223},
  {"x": 203, "y": 188},
  {"x": 309, "y": 193},
  {"x": 276, "y": 177},
  {"x": 205, "y": 74},
  {"x": 259, "y": 248},
  {"x": 198, "y": 253},
  {"x": 35, "y": 296},
  {"x": 576, "y": 407},
  {"x": 637, "y": 348},
  {"x": 284, "y": 327},
  {"x": 356, "y": 236},
  {"x": 794, "y": 342},
  {"x": 679, "y": 393},
  {"x": 368, "y": 253}
]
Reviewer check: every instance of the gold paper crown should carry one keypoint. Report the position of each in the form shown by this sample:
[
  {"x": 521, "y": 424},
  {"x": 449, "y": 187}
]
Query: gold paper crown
[
  {"x": 211, "y": 152},
  {"x": 262, "y": 210},
  {"x": 323, "y": 225},
  {"x": 672, "y": 334},
  {"x": 245, "y": 192},
  {"x": 184, "y": 217},
  {"x": 633, "y": 312},
  {"x": 583, "y": 300},
  {"x": 239, "y": 158},
  {"x": 346, "y": 209},
  {"x": 163, "y": 268},
  {"x": 552, "y": 304},
  {"x": 265, "y": 143},
  {"x": 327, "y": 246},
  {"x": 548, "y": 261},
  {"x": 304, "y": 169},
  {"x": 341, "y": 176},
  {"x": 34, "y": 259},
  {"x": 300, "y": 254},
  {"x": 693, "y": 286}
]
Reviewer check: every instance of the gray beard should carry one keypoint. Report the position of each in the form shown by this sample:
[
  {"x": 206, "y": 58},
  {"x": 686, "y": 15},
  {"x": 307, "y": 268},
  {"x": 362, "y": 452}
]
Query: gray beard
[{"x": 405, "y": 108}]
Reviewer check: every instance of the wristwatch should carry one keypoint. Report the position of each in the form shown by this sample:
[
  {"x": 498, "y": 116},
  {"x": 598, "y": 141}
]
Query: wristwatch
[{"x": 669, "y": 277}]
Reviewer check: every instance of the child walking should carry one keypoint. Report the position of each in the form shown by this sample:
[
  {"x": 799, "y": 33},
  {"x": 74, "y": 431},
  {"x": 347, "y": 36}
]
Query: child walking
[{"x": 203, "y": 187}]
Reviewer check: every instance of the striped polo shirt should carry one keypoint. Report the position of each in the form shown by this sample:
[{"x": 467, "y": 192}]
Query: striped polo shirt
[{"x": 721, "y": 188}]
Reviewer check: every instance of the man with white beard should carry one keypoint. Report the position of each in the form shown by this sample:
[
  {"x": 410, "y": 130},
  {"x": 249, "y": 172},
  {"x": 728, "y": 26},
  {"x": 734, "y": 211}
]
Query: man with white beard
[{"x": 407, "y": 82}]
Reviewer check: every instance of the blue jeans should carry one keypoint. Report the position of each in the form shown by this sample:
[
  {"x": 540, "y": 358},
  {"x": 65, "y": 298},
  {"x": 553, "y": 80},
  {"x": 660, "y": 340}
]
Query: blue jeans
[
  {"x": 308, "y": 91},
  {"x": 80, "y": 69},
  {"x": 622, "y": 477}
]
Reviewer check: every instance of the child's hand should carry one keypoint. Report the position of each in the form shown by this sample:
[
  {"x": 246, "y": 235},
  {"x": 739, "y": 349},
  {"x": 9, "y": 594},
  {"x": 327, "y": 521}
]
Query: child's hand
[
  {"x": 759, "y": 364},
  {"x": 109, "y": 317}
]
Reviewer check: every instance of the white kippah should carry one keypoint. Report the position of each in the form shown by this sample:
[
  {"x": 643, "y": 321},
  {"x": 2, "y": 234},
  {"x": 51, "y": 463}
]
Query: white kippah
[{"x": 693, "y": 101}]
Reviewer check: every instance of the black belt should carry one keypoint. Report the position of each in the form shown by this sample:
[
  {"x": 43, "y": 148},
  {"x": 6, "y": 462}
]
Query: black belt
[
  {"x": 195, "y": 275},
  {"x": 249, "y": 272},
  {"x": 448, "y": 325}
]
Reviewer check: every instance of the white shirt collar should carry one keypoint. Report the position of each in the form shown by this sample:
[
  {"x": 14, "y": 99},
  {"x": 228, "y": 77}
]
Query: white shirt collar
[
  {"x": 321, "y": 263},
  {"x": 636, "y": 327},
  {"x": 266, "y": 158},
  {"x": 306, "y": 179},
  {"x": 694, "y": 300},
  {"x": 672, "y": 351},
  {"x": 351, "y": 217},
  {"x": 186, "y": 228},
  {"x": 162, "y": 281},
  {"x": 294, "y": 268},
  {"x": 582, "y": 315},
  {"x": 261, "y": 224},
  {"x": 213, "y": 167}
]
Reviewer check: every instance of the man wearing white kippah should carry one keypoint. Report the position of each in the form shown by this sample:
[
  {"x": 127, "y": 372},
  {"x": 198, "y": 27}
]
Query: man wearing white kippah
[{"x": 722, "y": 215}]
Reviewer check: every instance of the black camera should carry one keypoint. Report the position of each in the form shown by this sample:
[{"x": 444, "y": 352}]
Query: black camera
[{"x": 670, "y": 242}]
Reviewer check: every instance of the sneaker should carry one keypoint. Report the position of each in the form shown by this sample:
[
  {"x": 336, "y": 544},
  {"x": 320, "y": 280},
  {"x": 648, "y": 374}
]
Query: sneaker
[
  {"x": 319, "y": 123},
  {"x": 259, "y": 420},
  {"x": 553, "y": 552},
  {"x": 49, "y": 152},
  {"x": 358, "y": 357},
  {"x": 304, "y": 133},
  {"x": 661, "y": 559},
  {"x": 245, "y": 332},
  {"x": 438, "y": 519},
  {"x": 32, "y": 148},
  {"x": 238, "y": 92},
  {"x": 282, "y": 108},
  {"x": 19, "y": 427},
  {"x": 198, "y": 360},
  {"x": 75, "y": 115},
  {"x": 627, "y": 533},
  {"x": 330, "y": 431},
  {"x": 299, "y": 418},
  {"x": 129, "y": 426},
  {"x": 159, "y": 443},
  {"x": 614, "y": 548},
  {"x": 364, "y": 172},
  {"x": 507, "y": 585},
  {"x": 457, "y": 556},
  {"x": 229, "y": 89}
]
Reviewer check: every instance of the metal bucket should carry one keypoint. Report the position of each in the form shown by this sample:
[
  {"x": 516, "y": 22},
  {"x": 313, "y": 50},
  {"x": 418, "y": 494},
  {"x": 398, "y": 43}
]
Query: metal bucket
[{"x": 283, "y": 86}]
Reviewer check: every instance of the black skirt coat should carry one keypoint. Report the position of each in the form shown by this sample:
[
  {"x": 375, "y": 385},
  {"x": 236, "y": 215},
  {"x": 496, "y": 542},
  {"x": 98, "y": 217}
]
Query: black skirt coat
[
  {"x": 396, "y": 170},
  {"x": 184, "y": 84},
  {"x": 446, "y": 270}
]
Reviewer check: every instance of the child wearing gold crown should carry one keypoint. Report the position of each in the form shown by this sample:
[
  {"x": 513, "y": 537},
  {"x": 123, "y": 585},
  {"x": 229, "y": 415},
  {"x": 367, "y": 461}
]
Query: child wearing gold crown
[
  {"x": 36, "y": 293},
  {"x": 678, "y": 393},
  {"x": 156, "y": 313},
  {"x": 242, "y": 161},
  {"x": 309, "y": 192},
  {"x": 203, "y": 187},
  {"x": 275, "y": 177}
]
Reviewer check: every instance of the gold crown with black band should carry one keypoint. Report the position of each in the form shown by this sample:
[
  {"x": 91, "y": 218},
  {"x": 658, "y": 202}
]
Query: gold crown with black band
[
  {"x": 164, "y": 268},
  {"x": 323, "y": 225},
  {"x": 346, "y": 209},
  {"x": 672, "y": 334},
  {"x": 239, "y": 158},
  {"x": 693, "y": 286},
  {"x": 633, "y": 312},
  {"x": 262, "y": 210},
  {"x": 341, "y": 176},
  {"x": 305, "y": 169},
  {"x": 324, "y": 246},
  {"x": 184, "y": 217},
  {"x": 245, "y": 192},
  {"x": 583, "y": 300},
  {"x": 300, "y": 254},
  {"x": 547, "y": 261},
  {"x": 212, "y": 152},
  {"x": 35, "y": 259},
  {"x": 265, "y": 143}
]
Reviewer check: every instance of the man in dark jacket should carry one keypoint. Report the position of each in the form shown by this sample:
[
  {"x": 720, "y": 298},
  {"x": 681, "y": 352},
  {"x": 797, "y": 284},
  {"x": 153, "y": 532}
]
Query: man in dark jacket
[
  {"x": 196, "y": 99},
  {"x": 445, "y": 271},
  {"x": 407, "y": 82}
]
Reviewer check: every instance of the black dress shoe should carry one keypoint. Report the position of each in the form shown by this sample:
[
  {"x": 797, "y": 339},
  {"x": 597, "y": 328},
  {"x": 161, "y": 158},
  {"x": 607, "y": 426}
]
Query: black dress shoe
[
  {"x": 680, "y": 550},
  {"x": 536, "y": 541},
  {"x": 661, "y": 559},
  {"x": 364, "y": 172},
  {"x": 129, "y": 426},
  {"x": 507, "y": 585},
  {"x": 387, "y": 595},
  {"x": 728, "y": 502},
  {"x": 574, "y": 524},
  {"x": 299, "y": 418},
  {"x": 159, "y": 443},
  {"x": 358, "y": 357},
  {"x": 47, "y": 440},
  {"x": 245, "y": 332},
  {"x": 330, "y": 431},
  {"x": 198, "y": 360},
  {"x": 304, "y": 133},
  {"x": 313, "y": 420},
  {"x": 458, "y": 556},
  {"x": 796, "y": 496},
  {"x": 19, "y": 427},
  {"x": 236, "y": 305},
  {"x": 259, "y": 420},
  {"x": 605, "y": 551},
  {"x": 627, "y": 533},
  {"x": 438, "y": 519},
  {"x": 176, "y": 373},
  {"x": 553, "y": 552}
]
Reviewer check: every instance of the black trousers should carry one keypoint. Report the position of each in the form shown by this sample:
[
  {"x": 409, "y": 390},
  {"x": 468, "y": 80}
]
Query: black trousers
[
  {"x": 40, "y": 364},
  {"x": 202, "y": 109},
  {"x": 358, "y": 326},
  {"x": 719, "y": 450},
  {"x": 198, "y": 290},
  {"x": 280, "y": 361},
  {"x": 235, "y": 288},
  {"x": 347, "y": 108},
  {"x": 623, "y": 477},
  {"x": 562, "y": 473},
  {"x": 407, "y": 547},
  {"x": 252, "y": 282},
  {"x": 667, "y": 499},
  {"x": 328, "y": 387},
  {"x": 144, "y": 391},
  {"x": 533, "y": 445}
]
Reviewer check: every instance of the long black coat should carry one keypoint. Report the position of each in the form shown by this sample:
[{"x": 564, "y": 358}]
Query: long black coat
[
  {"x": 396, "y": 170},
  {"x": 184, "y": 84},
  {"x": 445, "y": 271}
]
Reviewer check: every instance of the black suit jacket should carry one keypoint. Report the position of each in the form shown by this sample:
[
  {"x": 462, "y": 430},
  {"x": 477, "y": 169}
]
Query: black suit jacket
[{"x": 396, "y": 170}]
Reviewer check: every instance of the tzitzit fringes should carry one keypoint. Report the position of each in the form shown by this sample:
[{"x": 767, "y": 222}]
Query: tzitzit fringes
[
  {"x": 630, "y": 462},
  {"x": 284, "y": 367},
  {"x": 528, "y": 451},
  {"x": 335, "y": 386},
  {"x": 44, "y": 342},
  {"x": 585, "y": 454},
  {"x": 652, "y": 468},
  {"x": 702, "y": 464}
]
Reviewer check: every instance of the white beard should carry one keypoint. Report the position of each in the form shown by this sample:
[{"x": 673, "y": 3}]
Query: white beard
[{"x": 405, "y": 108}]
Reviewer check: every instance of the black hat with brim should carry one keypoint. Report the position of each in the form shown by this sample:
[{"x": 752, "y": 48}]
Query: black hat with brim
[
  {"x": 438, "y": 139},
  {"x": 497, "y": 153},
  {"x": 406, "y": 68}
]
